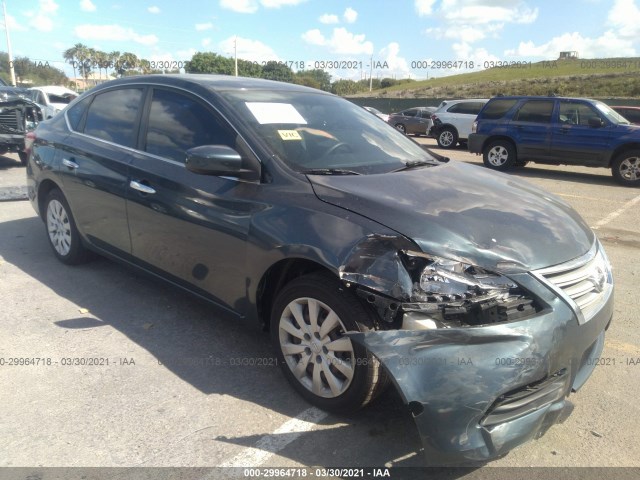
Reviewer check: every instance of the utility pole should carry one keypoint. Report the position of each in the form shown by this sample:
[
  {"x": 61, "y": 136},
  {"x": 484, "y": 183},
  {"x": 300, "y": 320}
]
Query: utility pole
[
  {"x": 12, "y": 72},
  {"x": 371, "y": 74},
  {"x": 235, "y": 52}
]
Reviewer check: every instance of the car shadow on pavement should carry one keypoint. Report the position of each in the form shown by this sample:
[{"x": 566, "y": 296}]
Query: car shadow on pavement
[
  {"x": 598, "y": 177},
  {"x": 7, "y": 163},
  {"x": 211, "y": 352}
]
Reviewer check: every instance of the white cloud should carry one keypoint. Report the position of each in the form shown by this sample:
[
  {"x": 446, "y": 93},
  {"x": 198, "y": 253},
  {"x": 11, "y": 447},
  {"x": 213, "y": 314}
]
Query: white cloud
[
  {"x": 153, "y": 9},
  {"x": 329, "y": 19},
  {"x": 252, "y": 50},
  {"x": 398, "y": 65},
  {"x": 251, "y": 6},
  {"x": 624, "y": 18},
  {"x": 200, "y": 27},
  {"x": 607, "y": 45},
  {"x": 342, "y": 42},
  {"x": 42, "y": 23},
  {"x": 424, "y": 7},
  {"x": 280, "y": 3},
  {"x": 240, "y": 6},
  {"x": 314, "y": 37},
  {"x": 469, "y": 12},
  {"x": 47, "y": 6},
  {"x": 13, "y": 24},
  {"x": 87, "y": 6},
  {"x": 114, "y": 33},
  {"x": 350, "y": 15},
  {"x": 206, "y": 42}
]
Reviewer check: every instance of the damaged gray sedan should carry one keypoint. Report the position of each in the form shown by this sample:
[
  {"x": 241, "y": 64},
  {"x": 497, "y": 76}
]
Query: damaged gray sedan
[{"x": 372, "y": 261}]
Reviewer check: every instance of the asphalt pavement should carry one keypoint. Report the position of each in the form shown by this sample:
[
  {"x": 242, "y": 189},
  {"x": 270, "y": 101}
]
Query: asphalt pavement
[{"x": 131, "y": 372}]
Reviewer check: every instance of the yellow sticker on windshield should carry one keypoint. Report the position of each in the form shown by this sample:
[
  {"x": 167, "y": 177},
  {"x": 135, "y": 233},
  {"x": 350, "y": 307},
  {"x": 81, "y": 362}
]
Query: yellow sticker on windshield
[{"x": 289, "y": 135}]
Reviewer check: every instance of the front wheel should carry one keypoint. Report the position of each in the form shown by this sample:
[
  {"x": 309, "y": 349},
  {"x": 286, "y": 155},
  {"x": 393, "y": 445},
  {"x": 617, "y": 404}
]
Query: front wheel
[
  {"x": 447, "y": 138},
  {"x": 63, "y": 235},
  {"x": 309, "y": 319},
  {"x": 626, "y": 168},
  {"x": 401, "y": 127},
  {"x": 500, "y": 155}
]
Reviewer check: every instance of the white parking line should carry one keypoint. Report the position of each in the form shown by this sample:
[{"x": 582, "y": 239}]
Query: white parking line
[
  {"x": 271, "y": 444},
  {"x": 617, "y": 213}
]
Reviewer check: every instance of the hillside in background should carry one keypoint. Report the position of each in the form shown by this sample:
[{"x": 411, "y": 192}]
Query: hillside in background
[{"x": 605, "y": 77}]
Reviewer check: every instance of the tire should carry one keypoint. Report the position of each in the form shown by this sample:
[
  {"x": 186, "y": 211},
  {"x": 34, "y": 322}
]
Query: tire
[
  {"x": 24, "y": 157},
  {"x": 401, "y": 127},
  {"x": 521, "y": 163},
  {"x": 338, "y": 375},
  {"x": 626, "y": 168},
  {"x": 499, "y": 155},
  {"x": 447, "y": 137},
  {"x": 62, "y": 233}
]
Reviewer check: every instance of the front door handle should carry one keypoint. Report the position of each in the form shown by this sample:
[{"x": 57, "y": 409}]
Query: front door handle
[
  {"x": 141, "y": 187},
  {"x": 70, "y": 163}
]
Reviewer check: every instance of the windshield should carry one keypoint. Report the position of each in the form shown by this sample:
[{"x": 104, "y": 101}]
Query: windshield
[
  {"x": 611, "y": 114},
  {"x": 312, "y": 131}
]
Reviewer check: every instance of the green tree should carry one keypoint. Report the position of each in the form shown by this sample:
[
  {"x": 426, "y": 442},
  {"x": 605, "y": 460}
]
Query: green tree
[
  {"x": 114, "y": 60},
  {"x": 209, "y": 62},
  {"x": 316, "y": 78},
  {"x": 277, "y": 71},
  {"x": 348, "y": 87}
]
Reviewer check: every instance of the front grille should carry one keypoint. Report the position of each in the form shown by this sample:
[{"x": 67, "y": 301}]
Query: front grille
[
  {"x": 11, "y": 119},
  {"x": 528, "y": 399},
  {"x": 585, "y": 283}
]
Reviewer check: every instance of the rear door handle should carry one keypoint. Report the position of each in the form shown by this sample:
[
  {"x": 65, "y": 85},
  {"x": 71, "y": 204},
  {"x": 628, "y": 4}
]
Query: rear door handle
[
  {"x": 70, "y": 163},
  {"x": 141, "y": 187}
]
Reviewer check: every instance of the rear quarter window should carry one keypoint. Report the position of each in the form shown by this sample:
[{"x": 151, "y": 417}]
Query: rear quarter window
[{"x": 497, "y": 109}]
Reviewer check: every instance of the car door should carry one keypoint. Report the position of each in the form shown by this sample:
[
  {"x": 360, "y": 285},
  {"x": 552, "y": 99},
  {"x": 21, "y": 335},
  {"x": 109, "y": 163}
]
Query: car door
[
  {"x": 531, "y": 129},
  {"x": 190, "y": 228},
  {"x": 576, "y": 140},
  {"x": 94, "y": 161}
]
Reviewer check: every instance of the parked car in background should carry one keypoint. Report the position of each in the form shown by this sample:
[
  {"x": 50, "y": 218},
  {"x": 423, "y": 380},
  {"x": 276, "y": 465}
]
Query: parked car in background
[
  {"x": 377, "y": 113},
  {"x": 18, "y": 115},
  {"x": 52, "y": 99},
  {"x": 413, "y": 121},
  {"x": 362, "y": 253},
  {"x": 630, "y": 113},
  {"x": 510, "y": 131},
  {"x": 453, "y": 119}
]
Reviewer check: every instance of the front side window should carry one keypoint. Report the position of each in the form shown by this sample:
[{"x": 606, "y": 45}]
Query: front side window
[
  {"x": 535, "y": 111},
  {"x": 572, "y": 113},
  {"x": 113, "y": 116},
  {"x": 178, "y": 123},
  {"x": 409, "y": 113}
]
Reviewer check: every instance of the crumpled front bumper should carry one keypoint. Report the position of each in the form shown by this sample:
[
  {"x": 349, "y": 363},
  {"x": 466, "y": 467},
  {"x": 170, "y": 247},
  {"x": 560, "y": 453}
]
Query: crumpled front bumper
[{"x": 478, "y": 392}]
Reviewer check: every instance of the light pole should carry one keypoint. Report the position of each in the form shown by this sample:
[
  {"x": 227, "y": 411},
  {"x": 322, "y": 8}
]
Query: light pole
[{"x": 12, "y": 72}]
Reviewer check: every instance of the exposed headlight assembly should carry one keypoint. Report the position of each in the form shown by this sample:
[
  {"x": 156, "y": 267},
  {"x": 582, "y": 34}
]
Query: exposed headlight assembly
[{"x": 451, "y": 293}]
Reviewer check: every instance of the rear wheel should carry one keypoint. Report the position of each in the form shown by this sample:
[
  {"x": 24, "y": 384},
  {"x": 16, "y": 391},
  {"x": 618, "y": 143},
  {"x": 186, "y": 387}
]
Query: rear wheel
[
  {"x": 499, "y": 155},
  {"x": 626, "y": 168},
  {"x": 309, "y": 319},
  {"x": 447, "y": 138},
  {"x": 62, "y": 233}
]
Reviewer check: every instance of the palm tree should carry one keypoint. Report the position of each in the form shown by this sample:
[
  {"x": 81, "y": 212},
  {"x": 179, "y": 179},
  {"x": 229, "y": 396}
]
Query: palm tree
[
  {"x": 82, "y": 54},
  {"x": 128, "y": 61},
  {"x": 114, "y": 60},
  {"x": 102, "y": 60},
  {"x": 69, "y": 56}
]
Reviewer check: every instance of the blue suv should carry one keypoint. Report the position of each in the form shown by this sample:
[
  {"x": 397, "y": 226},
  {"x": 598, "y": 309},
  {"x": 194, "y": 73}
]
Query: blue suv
[{"x": 510, "y": 131}]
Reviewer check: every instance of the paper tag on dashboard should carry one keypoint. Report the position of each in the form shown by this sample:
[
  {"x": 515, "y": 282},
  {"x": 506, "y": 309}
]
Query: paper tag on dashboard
[{"x": 289, "y": 135}]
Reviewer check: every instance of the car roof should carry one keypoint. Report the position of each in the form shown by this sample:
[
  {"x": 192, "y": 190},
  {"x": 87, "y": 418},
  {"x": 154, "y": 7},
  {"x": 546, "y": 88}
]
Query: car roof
[
  {"x": 54, "y": 89},
  {"x": 628, "y": 107},
  {"x": 208, "y": 81},
  {"x": 536, "y": 97}
]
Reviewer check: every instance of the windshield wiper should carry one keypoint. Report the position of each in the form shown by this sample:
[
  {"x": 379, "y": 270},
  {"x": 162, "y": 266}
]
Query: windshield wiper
[
  {"x": 416, "y": 164},
  {"x": 329, "y": 171}
]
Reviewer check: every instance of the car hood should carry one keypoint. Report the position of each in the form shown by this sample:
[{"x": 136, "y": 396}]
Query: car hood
[{"x": 467, "y": 213}]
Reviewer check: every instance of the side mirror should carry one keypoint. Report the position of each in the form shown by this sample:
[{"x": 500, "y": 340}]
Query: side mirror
[
  {"x": 595, "y": 122},
  {"x": 218, "y": 160}
]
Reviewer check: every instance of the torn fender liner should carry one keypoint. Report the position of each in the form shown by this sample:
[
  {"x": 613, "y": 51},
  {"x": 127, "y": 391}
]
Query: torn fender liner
[{"x": 478, "y": 392}]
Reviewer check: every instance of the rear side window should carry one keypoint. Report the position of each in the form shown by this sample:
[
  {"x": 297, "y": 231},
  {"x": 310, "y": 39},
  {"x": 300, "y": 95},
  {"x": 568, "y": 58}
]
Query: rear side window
[
  {"x": 469, "y": 108},
  {"x": 178, "y": 123},
  {"x": 496, "y": 109},
  {"x": 113, "y": 116},
  {"x": 75, "y": 113},
  {"x": 535, "y": 111}
]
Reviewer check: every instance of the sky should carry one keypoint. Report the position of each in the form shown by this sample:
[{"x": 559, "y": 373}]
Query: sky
[{"x": 399, "y": 39}]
